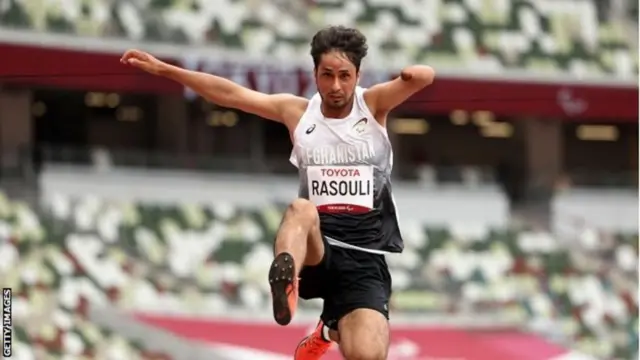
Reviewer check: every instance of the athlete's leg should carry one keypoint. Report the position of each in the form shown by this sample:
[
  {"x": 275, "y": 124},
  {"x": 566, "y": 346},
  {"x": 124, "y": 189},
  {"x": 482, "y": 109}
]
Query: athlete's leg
[
  {"x": 364, "y": 335},
  {"x": 334, "y": 335},
  {"x": 299, "y": 234},
  {"x": 298, "y": 244},
  {"x": 358, "y": 305}
]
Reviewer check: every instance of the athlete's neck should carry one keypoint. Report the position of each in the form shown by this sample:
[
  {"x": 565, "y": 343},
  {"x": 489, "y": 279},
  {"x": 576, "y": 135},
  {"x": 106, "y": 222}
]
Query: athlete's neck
[{"x": 337, "y": 113}]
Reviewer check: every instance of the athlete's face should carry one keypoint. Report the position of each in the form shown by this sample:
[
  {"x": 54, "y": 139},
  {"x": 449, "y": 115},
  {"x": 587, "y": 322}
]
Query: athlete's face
[{"x": 336, "y": 79}]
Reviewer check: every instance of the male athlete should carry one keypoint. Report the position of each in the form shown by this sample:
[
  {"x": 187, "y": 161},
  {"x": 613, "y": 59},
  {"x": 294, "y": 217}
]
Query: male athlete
[{"x": 333, "y": 238}]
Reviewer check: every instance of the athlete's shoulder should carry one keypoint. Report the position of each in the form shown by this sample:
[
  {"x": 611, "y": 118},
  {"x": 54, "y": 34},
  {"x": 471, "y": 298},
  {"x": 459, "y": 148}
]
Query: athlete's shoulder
[
  {"x": 293, "y": 107},
  {"x": 312, "y": 105},
  {"x": 289, "y": 104},
  {"x": 294, "y": 101},
  {"x": 315, "y": 98},
  {"x": 364, "y": 94},
  {"x": 363, "y": 101}
]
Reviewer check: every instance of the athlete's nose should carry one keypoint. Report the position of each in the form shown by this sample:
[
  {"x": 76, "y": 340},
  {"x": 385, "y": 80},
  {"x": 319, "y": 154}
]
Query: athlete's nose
[{"x": 335, "y": 87}]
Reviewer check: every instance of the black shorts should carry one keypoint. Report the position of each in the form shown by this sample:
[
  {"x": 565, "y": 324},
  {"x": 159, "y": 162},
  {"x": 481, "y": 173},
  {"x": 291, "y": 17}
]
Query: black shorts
[{"x": 347, "y": 280}]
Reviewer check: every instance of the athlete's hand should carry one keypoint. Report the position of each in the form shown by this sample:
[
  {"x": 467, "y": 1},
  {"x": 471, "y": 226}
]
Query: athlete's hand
[{"x": 143, "y": 61}]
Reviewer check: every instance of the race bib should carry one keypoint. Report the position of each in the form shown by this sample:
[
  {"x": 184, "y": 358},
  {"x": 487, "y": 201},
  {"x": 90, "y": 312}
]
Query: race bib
[{"x": 341, "y": 188}]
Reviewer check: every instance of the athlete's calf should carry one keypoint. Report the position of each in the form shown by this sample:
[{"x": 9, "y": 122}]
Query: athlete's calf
[
  {"x": 364, "y": 335},
  {"x": 298, "y": 244},
  {"x": 299, "y": 234}
]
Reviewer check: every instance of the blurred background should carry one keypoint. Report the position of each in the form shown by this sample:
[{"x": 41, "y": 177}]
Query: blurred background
[{"x": 136, "y": 220}]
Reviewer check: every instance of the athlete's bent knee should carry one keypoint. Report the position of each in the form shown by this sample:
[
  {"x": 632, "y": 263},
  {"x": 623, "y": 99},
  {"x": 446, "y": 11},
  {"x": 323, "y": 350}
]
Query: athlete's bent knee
[
  {"x": 364, "y": 353},
  {"x": 364, "y": 335},
  {"x": 303, "y": 211}
]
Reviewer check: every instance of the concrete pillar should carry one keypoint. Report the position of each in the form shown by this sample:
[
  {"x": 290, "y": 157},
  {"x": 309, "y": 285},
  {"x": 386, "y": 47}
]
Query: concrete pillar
[
  {"x": 15, "y": 127},
  {"x": 543, "y": 152},
  {"x": 172, "y": 126}
]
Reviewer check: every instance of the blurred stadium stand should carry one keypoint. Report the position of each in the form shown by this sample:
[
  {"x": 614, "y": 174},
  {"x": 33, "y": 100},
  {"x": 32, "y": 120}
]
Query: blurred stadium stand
[
  {"x": 578, "y": 37},
  {"x": 121, "y": 195}
]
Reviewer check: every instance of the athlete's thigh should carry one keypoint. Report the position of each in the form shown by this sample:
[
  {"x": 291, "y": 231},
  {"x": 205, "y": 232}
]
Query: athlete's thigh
[
  {"x": 316, "y": 247},
  {"x": 364, "y": 335},
  {"x": 357, "y": 280}
]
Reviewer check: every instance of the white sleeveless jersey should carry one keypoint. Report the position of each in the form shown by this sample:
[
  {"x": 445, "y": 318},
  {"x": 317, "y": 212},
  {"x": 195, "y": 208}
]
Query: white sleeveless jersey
[{"x": 345, "y": 170}]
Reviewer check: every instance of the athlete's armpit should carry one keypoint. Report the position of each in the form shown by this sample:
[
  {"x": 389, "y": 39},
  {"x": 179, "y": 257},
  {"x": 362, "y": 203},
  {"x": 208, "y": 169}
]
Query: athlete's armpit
[{"x": 384, "y": 97}]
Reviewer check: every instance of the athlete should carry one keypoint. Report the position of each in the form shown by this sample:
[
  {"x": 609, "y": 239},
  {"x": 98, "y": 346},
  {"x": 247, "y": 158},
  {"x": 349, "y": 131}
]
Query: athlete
[{"x": 333, "y": 237}]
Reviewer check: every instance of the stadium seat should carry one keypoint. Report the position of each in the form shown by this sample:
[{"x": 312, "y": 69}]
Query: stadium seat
[
  {"x": 67, "y": 253},
  {"x": 51, "y": 290},
  {"x": 579, "y": 37}
]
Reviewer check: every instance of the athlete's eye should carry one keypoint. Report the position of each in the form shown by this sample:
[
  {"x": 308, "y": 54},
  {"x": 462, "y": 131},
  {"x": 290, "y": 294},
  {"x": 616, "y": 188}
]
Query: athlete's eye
[
  {"x": 327, "y": 75},
  {"x": 344, "y": 76}
]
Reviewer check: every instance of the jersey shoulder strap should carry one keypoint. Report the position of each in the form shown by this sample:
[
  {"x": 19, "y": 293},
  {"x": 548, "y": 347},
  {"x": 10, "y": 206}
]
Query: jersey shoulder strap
[
  {"x": 361, "y": 103},
  {"x": 309, "y": 115}
]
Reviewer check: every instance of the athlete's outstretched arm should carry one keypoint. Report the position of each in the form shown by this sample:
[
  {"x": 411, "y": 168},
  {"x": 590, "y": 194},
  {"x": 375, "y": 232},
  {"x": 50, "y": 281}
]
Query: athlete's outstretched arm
[
  {"x": 219, "y": 90},
  {"x": 382, "y": 98}
]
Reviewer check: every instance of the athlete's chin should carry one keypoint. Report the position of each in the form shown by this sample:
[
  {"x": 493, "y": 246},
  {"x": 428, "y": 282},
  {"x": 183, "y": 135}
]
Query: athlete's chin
[{"x": 337, "y": 103}]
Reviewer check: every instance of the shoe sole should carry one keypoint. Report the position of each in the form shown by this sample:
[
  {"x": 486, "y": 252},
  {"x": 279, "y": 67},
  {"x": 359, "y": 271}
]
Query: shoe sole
[
  {"x": 281, "y": 276},
  {"x": 295, "y": 353}
]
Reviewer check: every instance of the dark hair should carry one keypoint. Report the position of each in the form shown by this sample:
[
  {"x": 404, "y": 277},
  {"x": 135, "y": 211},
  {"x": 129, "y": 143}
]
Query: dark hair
[{"x": 349, "y": 41}]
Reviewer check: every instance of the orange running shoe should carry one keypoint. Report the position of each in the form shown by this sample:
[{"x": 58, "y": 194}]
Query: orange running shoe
[
  {"x": 284, "y": 288},
  {"x": 313, "y": 346}
]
